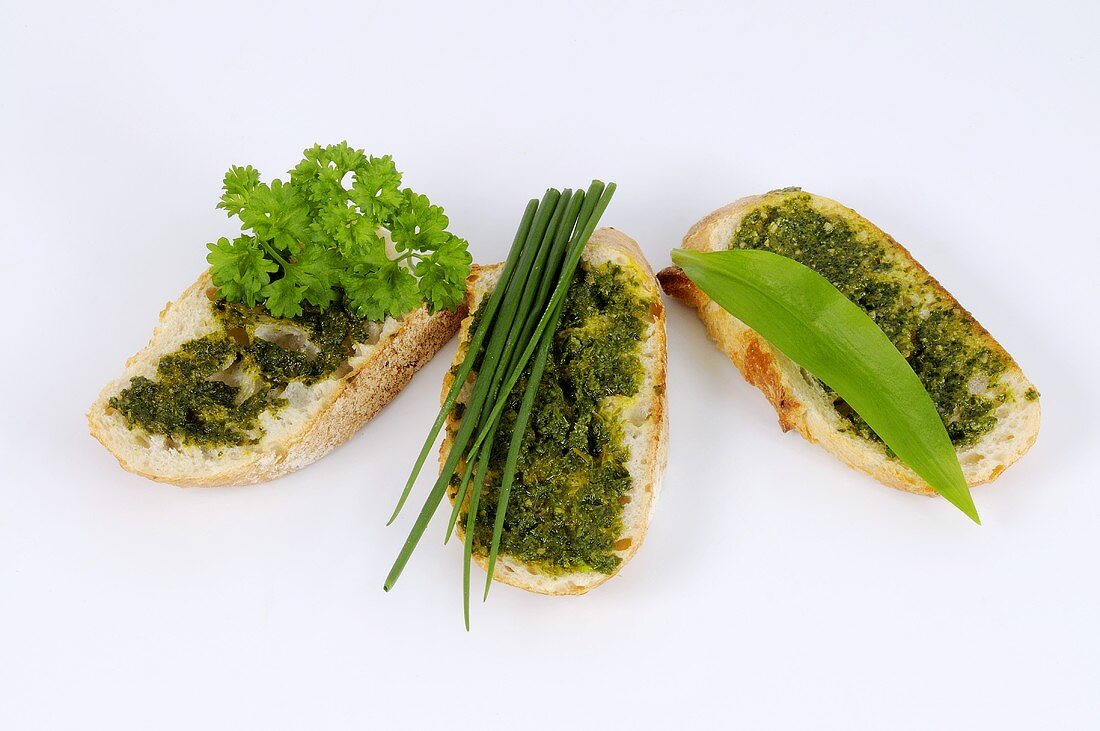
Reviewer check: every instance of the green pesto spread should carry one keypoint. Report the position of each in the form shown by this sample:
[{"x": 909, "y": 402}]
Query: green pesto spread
[
  {"x": 939, "y": 339},
  {"x": 192, "y": 400},
  {"x": 566, "y": 505}
]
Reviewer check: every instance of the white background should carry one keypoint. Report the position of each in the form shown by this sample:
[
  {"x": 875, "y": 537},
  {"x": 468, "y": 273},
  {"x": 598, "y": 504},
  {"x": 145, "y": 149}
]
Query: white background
[{"x": 777, "y": 588}]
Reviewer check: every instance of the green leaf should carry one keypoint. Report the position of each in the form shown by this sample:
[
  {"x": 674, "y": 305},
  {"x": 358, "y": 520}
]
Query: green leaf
[
  {"x": 340, "y": 157},
  {"x": 318, "y": 186},
  {"x": 239, "y": 269},
  {"x": 334, "y": 223},
  {"x": 320, "y": 271},
  {"x": 442, "y": 275},
  {"x": 386, "y": 291},
  {"x": 238, "y": 185},
  {"x": 399, "y": 286},
  {"x": 277, "y": 214},
  {"x": 376, "y": 189},
  {"x": 815, "y": 325},
  {"x": 366, "y": 252},
  {"x": 365, "y": 231},
  {"x": 284, "y": 296},
  {"x": 320, "y": 175},
  {"x": 419, "y": 225}
]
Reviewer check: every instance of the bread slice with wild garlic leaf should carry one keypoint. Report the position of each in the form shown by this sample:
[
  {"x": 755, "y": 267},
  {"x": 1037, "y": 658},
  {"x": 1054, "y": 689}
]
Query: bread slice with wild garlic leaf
[
  {"x": 643, "y": 421},
  {"x": 990, "y": 408},
  {"x": 316, "y": 418}
]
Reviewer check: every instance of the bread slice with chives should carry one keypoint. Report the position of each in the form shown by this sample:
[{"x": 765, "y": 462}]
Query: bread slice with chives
[
  {"x": 553, "y": 510},
  {"x": 991, "y": 410},
  {"x": 314, "y": 415}
]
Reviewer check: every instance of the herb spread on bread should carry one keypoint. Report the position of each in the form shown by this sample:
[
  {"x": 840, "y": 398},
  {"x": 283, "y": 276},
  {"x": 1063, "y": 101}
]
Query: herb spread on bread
[
  {"x": 956, "y": 365},
  {"x": 212, "y": 390},
  {"x": 565, "y": 511}
]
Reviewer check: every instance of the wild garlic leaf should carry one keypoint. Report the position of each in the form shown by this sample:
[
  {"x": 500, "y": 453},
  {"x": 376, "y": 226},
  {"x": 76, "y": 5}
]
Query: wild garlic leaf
[{"x": 815, "y": 325}]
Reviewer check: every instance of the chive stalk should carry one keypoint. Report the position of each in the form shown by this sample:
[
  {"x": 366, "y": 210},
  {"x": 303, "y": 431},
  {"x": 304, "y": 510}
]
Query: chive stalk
[
  {"x": 549, "y": 249},
  {"x": 517, "y": 329},
  {"x": 476, "y": 340},
  {"x": 529, "y": 307},
  {"x": 568, "y": 268},
  {"x": 543, "y": 342},
  {"x": 508, "y": 304},
  {"x": 522, "y": 417}
]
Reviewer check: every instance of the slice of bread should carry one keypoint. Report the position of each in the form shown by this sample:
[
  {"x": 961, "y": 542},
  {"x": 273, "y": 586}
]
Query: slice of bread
[
  {"x": 317, "y": 418},
  {"x": 644, "y": 421},
  {"x": 800, "y": 400}
]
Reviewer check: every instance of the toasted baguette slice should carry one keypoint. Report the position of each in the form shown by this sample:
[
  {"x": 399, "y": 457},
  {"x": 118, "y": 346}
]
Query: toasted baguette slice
[
  {"x": 317, "y": 419},
  {"x": 645, "y": 423},
  {"x": 802, "y": 404}
]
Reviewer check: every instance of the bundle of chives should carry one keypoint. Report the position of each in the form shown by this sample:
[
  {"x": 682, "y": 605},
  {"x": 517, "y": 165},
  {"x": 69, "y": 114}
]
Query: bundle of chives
[{"x": 518, "y": 322}]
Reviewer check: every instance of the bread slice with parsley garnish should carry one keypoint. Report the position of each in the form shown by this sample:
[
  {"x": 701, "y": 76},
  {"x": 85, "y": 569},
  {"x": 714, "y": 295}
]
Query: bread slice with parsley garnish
[
  {"x": 338, "y": 287},
  {"x": 991, "y": 410},
  {"x": 268, "y": 391},
  {"x": 595, "y": 450}
]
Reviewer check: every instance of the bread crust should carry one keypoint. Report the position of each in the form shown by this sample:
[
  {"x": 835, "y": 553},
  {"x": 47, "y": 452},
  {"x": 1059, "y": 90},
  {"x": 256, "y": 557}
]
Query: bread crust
[
  {"x": 361, "y": 394},
  {"x": 803, "y": 407},
  {"x": 649, "y": 455}
]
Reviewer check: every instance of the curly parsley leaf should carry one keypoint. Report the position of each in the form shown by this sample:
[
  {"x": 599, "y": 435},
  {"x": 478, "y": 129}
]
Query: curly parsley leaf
[
  {"x": 320, "y": 271},
  {"x": 366, "y": 253},
  {"x": 277, "y": 214},
  {"x": 377, "y": 188},
  {"x": 284, "y": 296},
  {"x": 387, "y": 291},
  {"x": 320, "y": 175},
  {"x": 339, "y": 157},
  {"x": 237, "y": 185},
  {"x": 240, "y": 269},
  {"x": 442, "y": 275},
  {"x": 419, "y": 224},
  {"x": 335, "y": 222},
  {"x": 319, "y": 238}
]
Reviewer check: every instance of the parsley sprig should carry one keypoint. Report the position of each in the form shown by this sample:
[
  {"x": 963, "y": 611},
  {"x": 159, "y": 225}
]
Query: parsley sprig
[{"x": 322, "y": 237}]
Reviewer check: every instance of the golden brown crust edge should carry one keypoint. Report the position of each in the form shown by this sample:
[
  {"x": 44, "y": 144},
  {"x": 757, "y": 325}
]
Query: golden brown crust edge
[
  {"x": 366, "y": 391},
  {"x": 510, "y": 571},
  {"x": 777, "y": 377},
  {"x": 370, "y": 388}
]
